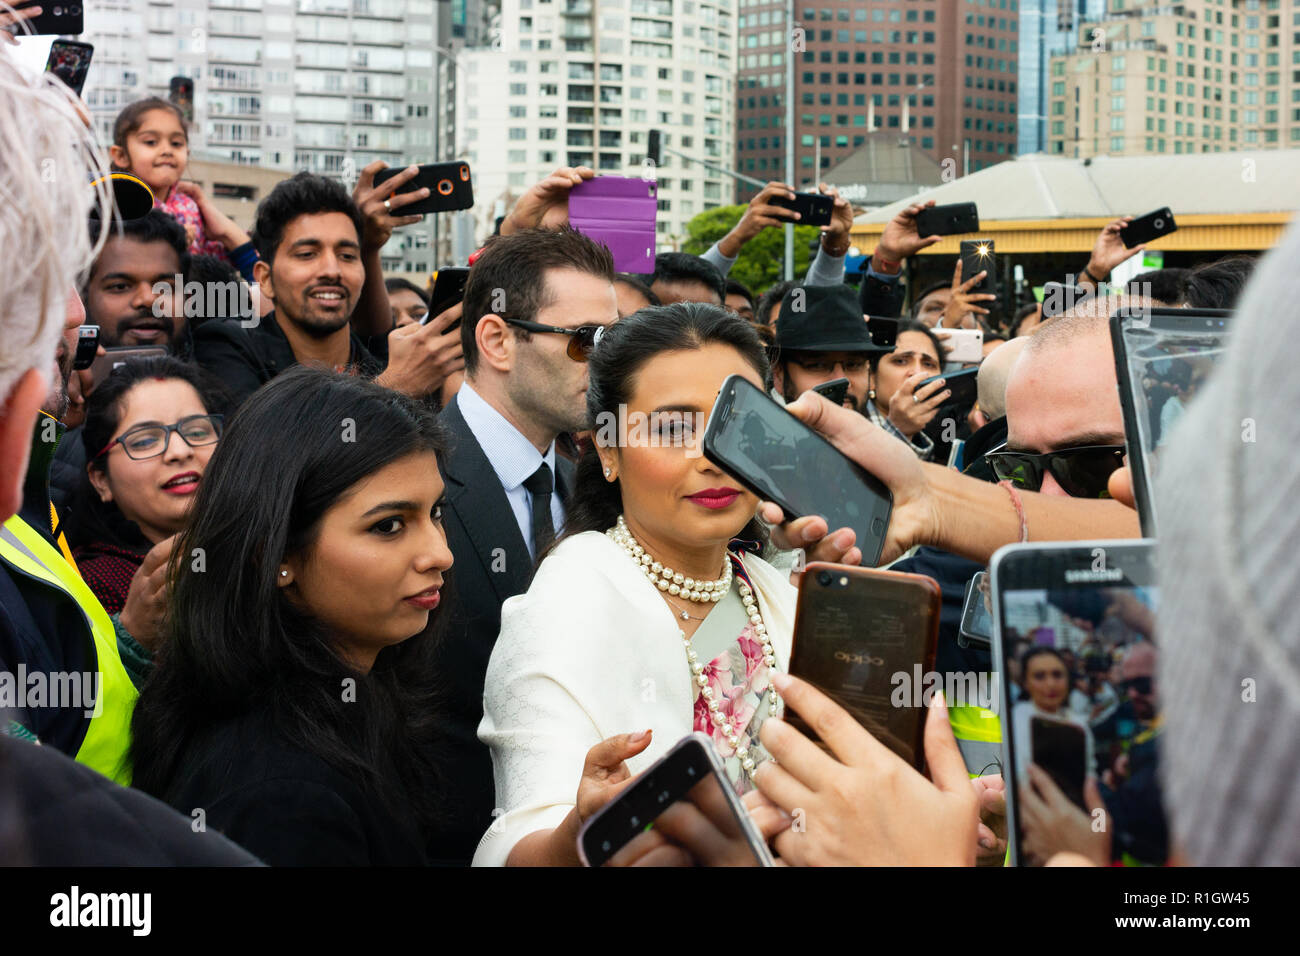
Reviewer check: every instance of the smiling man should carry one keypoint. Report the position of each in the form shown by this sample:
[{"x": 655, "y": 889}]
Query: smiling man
[
  {"x": 129, "y": 291},
  {"x": 308, "y": 235}
]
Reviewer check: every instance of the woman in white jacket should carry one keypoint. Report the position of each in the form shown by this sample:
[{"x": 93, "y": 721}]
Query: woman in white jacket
[{"x": 648, "y": 619}]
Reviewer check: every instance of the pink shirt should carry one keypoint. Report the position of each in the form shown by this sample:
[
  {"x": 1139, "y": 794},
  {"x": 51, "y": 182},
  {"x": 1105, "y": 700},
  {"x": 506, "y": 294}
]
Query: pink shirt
[{"x": 186, "y": 211}]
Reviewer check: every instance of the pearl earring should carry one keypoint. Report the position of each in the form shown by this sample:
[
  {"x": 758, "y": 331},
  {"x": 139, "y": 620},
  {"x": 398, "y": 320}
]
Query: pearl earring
[
  {"x": 284, "y": 574},
  {"x": 871, "y": 394},
  {"x": 606, "y": 472}
]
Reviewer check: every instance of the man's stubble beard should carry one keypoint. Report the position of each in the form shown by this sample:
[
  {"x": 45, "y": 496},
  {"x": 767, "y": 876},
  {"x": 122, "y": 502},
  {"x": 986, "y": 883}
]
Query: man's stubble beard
[{"x": 535, "y": 401}]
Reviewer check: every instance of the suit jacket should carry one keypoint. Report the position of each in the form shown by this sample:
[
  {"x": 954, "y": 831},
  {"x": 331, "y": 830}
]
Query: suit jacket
[{"x": 491, "y": 564}]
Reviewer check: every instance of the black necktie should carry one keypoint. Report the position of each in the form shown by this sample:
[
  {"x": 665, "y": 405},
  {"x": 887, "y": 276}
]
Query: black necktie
[{"x": 540, "y": 486}]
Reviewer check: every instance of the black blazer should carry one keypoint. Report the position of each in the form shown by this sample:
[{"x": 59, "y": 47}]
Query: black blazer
[
  {"x": 491, "y": 565},
  {"x": 285, "y": 805}
]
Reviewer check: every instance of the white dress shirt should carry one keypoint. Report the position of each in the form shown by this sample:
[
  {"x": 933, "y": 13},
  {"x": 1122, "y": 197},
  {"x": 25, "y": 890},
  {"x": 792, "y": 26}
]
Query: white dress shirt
[{"x": 513, "y": 457}]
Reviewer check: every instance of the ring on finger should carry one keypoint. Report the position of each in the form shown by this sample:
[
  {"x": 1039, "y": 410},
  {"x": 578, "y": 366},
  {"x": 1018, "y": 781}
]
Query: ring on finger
[{"x": 388, "y": 205}]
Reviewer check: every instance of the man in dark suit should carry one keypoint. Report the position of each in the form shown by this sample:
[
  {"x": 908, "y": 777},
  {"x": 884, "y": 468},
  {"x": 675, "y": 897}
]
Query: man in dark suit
[{"x": 533, "y": 304}]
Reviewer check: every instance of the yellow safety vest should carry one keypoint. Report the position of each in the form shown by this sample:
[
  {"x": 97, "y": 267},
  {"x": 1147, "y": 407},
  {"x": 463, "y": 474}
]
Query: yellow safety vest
[
  {"x": 108, "y": 737},
  {"x": 979, "y": 738}
]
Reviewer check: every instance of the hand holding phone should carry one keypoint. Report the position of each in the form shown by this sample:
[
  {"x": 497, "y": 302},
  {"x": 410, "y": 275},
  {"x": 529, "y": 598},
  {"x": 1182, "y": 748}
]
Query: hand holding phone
[
  {"x": 835, "y": 390},
  {"x": 814, "y": 209},
  {"x": 449, "y": 184},
  {"x": 976, "y": 257},
  {"x": 448, "y": 289},
  {"x": 1145, "y": 228},
  {"x": 951, "y": 220}
]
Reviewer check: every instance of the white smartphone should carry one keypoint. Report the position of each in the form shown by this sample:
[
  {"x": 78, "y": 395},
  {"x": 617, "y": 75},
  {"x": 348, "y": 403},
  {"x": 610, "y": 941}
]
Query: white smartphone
[{"x": 962, "y": 345}]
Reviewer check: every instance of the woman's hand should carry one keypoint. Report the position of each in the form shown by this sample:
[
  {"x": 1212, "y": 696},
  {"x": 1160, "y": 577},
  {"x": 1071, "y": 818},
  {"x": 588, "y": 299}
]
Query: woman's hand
[
  {"x": 991, "y": 791},
  {"x": 1053, "y": 824},
  {"x": 216, "y": 223},
  {"x": 910, "y": 410},
  {"x": 812, "y": 535},
  {"x": 146, "y": 598},
  {"x": 865, "y": 806}
]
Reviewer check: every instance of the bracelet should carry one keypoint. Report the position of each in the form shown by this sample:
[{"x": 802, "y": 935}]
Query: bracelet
[
  {"x": 1093, "y": 277},
  {"x": 1020, "y": 509},
  {"x": 887, "y": 263}
]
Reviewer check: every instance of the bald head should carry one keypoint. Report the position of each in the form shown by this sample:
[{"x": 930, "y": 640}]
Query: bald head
[
  {"x": 993, "y": 375},
  {"x": 1088, "y": 317}
]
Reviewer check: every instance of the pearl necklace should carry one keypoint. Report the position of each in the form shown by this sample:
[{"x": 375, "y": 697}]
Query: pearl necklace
[
  {"x": 665, "y": 578},
  {"x": 658, "y": 574}
]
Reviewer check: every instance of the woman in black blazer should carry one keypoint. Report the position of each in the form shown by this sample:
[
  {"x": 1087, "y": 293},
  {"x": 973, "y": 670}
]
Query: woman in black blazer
[{"x": 292, "y": 705}]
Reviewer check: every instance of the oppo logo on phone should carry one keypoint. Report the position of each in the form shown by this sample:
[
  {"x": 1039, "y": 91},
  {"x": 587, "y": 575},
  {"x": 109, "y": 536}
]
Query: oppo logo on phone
[{"x": 849, "y": 658}]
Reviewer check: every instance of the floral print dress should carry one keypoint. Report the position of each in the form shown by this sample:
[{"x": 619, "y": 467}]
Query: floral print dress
[{"x": 735, "y": 670}]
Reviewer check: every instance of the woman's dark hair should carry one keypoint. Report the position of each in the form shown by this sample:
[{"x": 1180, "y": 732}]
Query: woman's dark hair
[
  {"x": 623, "y": 351},
  {"x": 1038, "y": 651},
  {"x": 93, "y": 520},
  {"x": 132, "y": 116},
  {"x": 406, "y": 285},
  {"x": 911, "y": 325},
  {"x": 236, "y": 644}
]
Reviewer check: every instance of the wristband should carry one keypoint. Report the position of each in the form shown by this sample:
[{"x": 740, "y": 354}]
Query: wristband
[
  {"x": 1020, "y": 509},
  {"x": 1088, "y": 273},
  {"x": 887, "y": 263}
]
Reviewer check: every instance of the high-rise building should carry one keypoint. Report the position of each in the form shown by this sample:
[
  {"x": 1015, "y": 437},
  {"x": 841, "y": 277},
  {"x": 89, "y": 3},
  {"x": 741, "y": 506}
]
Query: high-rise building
[
  {"x": 1197, "y": 77},
  {"x": 583, "y": 82},
  {"x": 1047, "y": 28},
  {"x": 941, "y": 73},
  {"x": 322, "y": 85}
]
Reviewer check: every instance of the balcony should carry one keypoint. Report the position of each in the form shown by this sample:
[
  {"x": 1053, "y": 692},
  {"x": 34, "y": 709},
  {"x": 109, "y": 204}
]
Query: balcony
[{"x": 577, "y": 8}]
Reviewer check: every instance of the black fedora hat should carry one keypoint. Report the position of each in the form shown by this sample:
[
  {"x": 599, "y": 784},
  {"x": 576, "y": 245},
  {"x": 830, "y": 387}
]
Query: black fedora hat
[{"x": 823, "y": 318}]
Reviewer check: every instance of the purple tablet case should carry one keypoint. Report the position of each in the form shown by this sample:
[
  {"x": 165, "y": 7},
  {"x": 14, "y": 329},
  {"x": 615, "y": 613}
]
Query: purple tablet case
[{"x": 620, "y": 212}]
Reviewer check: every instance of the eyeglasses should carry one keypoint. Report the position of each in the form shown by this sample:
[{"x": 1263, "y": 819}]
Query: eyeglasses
[
  {"x": 150, "y": 441},
  {"x": 825, "y": 367},
  {"x": 581, "y": 340},
  {"x": 1140, "y": 685},
  {"x": 1081, "y": 472}
]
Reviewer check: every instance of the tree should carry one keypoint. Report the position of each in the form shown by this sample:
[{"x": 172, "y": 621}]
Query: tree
[{"x": 761, "y": 259}]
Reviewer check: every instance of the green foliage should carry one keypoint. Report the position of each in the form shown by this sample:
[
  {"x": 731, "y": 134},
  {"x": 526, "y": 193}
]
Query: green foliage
[{"x": 762, "y": 258}]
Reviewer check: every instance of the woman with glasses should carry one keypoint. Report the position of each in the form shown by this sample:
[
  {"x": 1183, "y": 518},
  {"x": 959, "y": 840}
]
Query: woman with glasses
[
  {"x": 149, "y": 433},
  {"x": 654, "y": 615},
  {"x": 893, "y": 400},
  {"x": 293, "y": 700}
]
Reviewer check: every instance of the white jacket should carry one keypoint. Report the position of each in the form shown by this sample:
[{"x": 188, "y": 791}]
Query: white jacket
[{"x": 590, "y": 651}]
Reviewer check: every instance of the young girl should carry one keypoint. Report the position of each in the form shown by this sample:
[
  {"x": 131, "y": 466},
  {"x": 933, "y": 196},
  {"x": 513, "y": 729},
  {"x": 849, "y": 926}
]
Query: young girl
[{"x": 150, "y": 143}]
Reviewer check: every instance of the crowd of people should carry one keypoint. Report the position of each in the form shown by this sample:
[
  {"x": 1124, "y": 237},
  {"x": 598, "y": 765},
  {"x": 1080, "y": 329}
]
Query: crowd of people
[{"x": 360, "y": 584}]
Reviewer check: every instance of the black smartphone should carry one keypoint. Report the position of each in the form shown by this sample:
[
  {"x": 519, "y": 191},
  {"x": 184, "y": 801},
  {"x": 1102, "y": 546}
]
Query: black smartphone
[
  {"x": 1059, "y": 297},
  {"x": 1061, "y": 748},
  {"x": 883, "y": 331},
  {"x": 814, "y": 209},
  {"x": 976, "y": 620},
  {"x": 180, "y": 90},
  {"x": 69, "y": 60},
  {"x": 103, "y": 365},
  {"x": 1145, "y": 228},
  {"x": 60, "y": 19},
  {"x": 87, "y": 347},
  {"x": 450, "y": 188},
  {"x": 448, "y": 289},
  {"x": 687, "y": 796},
  {"x": 951, "y": 220},
  {"x": 835, "y": 390},
  {"x": 977, "y": 256},
  {"x": 857, "y": 633},
  {"x": 781, "y": 459},
  {"x": 963, "y": 384},
  {"x": 1162, "y": 358},
  {"x": 1056, "y": 607}
]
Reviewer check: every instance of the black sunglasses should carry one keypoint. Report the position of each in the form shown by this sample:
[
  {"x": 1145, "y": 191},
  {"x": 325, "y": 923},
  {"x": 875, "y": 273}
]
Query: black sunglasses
[
  {"x": 1142, "y": 685},
  {"x": 581, "y": 340},
  {"x": 1081, "y": 472}
]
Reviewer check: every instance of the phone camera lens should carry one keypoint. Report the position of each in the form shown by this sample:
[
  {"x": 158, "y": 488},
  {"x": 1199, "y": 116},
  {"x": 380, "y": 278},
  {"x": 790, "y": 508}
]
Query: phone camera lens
[{"x": 824, "y": 578}]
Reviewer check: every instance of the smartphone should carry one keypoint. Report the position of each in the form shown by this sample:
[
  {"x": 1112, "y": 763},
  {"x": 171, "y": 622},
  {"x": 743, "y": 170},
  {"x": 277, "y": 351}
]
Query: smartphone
[
  {"x": 976, "y": 620},
  {"x": 685, "y": 790},
  {"x": 619, "y": 211},
  {"x": 450, "y": 187},
  {"x": 103, "y": 366},
  {"x": 180, "y": 90},
  {"x": 835, "y": 390},
  {"x": 951, "y": 220},
  {"x": 1059, "y": 297},
  {"x": 1162, "y": 358},
  {"x": 963, "y": 345},
  {"x": 781, "y": 459},
  {"x": 1057, "y": 607},
  {"x": 1060, "y": 748},
  {"x": 448, "y": 289},
  {"x": 976, "y": 256},
  {"x": 963, "y": 384},
  {"x": 1145, "y": 228},
  {"x": 87, "y": 347},
  {"x": 860, "y": 634},
  {"x": 883, "y": 331},
  {"x": 61, "y": 19},
  {"x": 70, "y": 61},
  {"x": 814, "y": 209}
]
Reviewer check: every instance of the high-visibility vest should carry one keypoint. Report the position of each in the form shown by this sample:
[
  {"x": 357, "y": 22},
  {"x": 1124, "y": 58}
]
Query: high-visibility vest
[
  {"x": 107, "y": 741},
  {"x": 979, "y": 738}
]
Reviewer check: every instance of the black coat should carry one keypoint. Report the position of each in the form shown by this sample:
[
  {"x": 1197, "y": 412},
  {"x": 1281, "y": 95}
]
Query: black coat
[
  {"x": 286, "y": 805},
  {"x": 491, "y": 564},
  {"x": 55, "y": 812}
]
